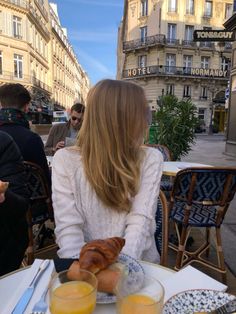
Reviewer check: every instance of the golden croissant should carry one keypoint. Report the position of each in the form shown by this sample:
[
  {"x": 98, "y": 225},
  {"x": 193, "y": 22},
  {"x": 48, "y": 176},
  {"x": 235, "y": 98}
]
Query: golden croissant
[
  {"x": 3, "y": 186},
  {"x": 99, "y": 254}
]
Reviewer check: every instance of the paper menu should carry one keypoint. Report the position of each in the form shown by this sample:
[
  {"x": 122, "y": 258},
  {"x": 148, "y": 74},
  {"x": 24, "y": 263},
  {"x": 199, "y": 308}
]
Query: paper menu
[{"x": 189, "y": 278}]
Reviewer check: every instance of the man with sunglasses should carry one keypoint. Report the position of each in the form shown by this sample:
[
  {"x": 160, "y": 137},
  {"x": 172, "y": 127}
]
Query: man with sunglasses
[{"x": 63, "y": 133}]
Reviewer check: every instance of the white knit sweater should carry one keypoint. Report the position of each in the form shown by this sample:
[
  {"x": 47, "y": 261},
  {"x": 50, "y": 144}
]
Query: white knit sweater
[{"x": 81, "y": 217}]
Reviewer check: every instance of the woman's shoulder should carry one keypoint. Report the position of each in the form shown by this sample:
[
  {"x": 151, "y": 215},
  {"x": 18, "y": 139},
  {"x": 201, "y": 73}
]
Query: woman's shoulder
[
  {"x": 70, "y": 155},
  {"x": 152, "y": 154}
]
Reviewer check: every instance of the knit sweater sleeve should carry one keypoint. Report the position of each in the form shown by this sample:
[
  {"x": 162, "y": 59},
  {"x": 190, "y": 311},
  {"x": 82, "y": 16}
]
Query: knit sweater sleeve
[
  {"x": 140, "y": 222},
  {"x": 68, "y": 217}
]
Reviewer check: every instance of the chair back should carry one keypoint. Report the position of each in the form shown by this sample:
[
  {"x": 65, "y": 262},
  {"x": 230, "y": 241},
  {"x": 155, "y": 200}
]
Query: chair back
[
  {"x": 38, "y": 187},
  {"x": 163, "y": 149},
  {"x": 161, "y": 233},
  {"x": 205, "y": 185},
  {"x": 211, "y": 186}
]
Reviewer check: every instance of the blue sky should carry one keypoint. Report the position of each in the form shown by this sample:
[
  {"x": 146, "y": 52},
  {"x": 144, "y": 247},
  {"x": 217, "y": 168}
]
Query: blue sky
[{"x": 92, "y": 27}]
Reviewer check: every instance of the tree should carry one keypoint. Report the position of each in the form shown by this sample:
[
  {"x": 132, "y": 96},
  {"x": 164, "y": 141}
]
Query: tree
[{"x": 175, "y": 123}]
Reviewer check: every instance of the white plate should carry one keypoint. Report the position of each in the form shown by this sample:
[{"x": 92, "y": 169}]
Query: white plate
[
  {"x": 135, "y": 276},
  {"x": 201, "y": 300}
]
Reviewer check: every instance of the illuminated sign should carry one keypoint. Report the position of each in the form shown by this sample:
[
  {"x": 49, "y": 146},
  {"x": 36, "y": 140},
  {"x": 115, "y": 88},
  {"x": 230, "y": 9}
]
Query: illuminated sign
[
  {"x": 213, "y": 35},
  {"x": 208, "y": 72}
]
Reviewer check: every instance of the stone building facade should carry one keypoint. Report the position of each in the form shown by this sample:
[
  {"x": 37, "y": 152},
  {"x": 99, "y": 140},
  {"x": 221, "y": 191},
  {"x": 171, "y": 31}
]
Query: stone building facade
[
  {"x": 34, "y": 51},
  {"x": 157, "y": 51}
]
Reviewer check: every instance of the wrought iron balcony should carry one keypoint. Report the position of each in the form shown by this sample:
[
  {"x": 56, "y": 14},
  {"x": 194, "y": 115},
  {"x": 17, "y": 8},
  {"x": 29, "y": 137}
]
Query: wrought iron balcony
[
  {"x": 172, "y": 41},
  {"x": 148, "y": 41},
  {"x": 7, "y": 76},
  {"x": 162, "y": 70},
  {"x": 19, "y": 3},
  {"x": 189, "y": 43},
  {"x": 207, "y": 45}
]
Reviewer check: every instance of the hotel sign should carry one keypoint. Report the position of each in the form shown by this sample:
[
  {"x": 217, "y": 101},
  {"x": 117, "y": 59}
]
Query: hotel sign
[
  {"x": 177, "y": 71},
  {"x": 213, "y": 35}
]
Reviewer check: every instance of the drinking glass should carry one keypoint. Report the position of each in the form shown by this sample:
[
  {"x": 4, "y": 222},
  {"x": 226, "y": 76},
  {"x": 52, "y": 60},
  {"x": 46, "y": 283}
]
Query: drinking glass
[
  {"x": 73, "y": 296},
  {"x": 147, "y": 300}
]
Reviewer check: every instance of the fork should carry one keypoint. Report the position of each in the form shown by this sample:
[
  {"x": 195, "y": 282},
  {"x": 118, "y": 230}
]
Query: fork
[{"x": 41, "y": 306}]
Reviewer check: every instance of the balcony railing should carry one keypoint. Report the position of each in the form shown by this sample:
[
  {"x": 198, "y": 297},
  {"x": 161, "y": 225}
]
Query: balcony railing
[
  {"x": 42, "y": 9},
  {"x": 172, "y": 41},
  {"x": 176, "y": 71},
  {"x": 6, "y": 76},
  {"x": 207, "y": 45},
  {"x": 189, "y": 43},
  {"x": 145, "y": 42},
  {"x": 38, "y": 21},
  {"x": 19, "y": 3}
]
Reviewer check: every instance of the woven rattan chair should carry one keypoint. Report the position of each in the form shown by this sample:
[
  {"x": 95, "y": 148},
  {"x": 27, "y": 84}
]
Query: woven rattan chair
[
  {"x": 40, "y": 209},
  {"x": 161, "y": 234},
  {"x": 200, "y": 198}
]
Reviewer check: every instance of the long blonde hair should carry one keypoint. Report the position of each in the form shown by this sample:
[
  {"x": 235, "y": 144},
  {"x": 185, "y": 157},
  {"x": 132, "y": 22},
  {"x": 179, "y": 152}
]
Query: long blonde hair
[{"x": 110, "y": 141}]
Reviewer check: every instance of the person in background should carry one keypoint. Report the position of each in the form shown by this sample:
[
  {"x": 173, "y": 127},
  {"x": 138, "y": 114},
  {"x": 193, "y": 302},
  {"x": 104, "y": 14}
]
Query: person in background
[
  {"x": 109, "y": 174},
  {"x": 61, "y": 132},
  {"x": 14, "y": 203},
  {"x": 15, "y": 100}
]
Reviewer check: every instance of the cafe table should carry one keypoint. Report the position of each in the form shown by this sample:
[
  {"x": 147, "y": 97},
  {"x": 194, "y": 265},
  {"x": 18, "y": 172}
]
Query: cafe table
[
  {"x": 171, "y": 168},
  {"x": 9, "y": 282}
]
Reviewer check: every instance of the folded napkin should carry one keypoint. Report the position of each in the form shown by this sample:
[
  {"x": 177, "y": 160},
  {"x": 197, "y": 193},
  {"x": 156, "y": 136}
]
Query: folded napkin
[
  {"x": 20, "y": 288},
  {"x": 189, "y": 278}
]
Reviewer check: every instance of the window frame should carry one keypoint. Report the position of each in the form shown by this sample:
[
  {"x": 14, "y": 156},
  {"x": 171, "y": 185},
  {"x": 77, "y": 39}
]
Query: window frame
[
  {"x": 17, "y": 26},
  {"x": 144, "y": 57},
  {"x": 170, "y": 89},
  {"x": 190, "y": 7},
  {"x": 205, "y": 62},
  {"x": 187, "y": 91},
  {"x": 18, "y": 66},
  {"x": 144, "y": 8},
  {"x": 206, "y": 13},
  {"x": 143, "y": 34},
  {"x": 172, "y": 6},
  {"x": 230, "y": 11}
]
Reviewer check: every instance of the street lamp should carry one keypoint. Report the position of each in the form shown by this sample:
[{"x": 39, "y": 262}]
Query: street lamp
[{"x": 213, "y": 90}]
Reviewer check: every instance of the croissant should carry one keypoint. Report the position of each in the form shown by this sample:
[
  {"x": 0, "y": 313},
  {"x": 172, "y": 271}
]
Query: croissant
[
  {"x": 99, "y": 254},
  {"x": 3, "y": 186}
]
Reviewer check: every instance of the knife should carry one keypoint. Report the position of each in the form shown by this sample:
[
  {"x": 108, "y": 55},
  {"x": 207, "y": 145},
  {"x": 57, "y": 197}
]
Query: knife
[{"x": 25, "y": 298}]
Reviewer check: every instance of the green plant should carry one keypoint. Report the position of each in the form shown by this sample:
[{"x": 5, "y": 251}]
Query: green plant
[{"x": 175, "y": 122}]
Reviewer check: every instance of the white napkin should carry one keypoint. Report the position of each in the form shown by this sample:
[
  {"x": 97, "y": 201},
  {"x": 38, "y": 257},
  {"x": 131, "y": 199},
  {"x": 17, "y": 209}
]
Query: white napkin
[
  {"x": 189, "y": 278},
  {"x": 17, "y": 293}
]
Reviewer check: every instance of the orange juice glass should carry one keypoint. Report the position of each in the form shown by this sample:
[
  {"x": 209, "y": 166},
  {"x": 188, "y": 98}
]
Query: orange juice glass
[
  {"x": 148, "y": 300},
  {"x": 73, "y": 296}
]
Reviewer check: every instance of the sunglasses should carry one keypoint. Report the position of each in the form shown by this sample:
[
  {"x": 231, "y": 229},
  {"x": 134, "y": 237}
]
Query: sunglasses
[{"x": 75, "y": 118}]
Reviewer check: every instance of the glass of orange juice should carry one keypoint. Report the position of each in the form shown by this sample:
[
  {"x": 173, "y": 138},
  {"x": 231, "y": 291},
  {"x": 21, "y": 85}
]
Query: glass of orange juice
[
  {"x": 148, "y": 300},
  {"x": 73, "y": 296}
]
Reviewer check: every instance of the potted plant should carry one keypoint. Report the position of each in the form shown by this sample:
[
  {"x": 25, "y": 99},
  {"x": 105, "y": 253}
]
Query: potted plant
[{"x": 175, "y": 124}]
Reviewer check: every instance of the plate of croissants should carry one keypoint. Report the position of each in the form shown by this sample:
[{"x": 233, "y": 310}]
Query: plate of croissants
[{"x": 112, "y": 268}]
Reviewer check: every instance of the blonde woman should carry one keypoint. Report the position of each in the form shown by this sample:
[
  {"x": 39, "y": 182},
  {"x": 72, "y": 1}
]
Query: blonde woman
[{"x": 107, "y": 185}]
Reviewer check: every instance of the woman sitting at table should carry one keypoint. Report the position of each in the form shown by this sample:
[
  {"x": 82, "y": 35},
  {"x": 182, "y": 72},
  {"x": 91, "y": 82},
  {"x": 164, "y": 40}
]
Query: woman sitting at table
[
  {"x": 107, "y": 185},
  {"x": 14, "y": 202}
]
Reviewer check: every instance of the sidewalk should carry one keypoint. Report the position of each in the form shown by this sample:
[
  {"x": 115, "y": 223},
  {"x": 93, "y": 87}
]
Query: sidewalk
[{"x": 209, "y": 149}]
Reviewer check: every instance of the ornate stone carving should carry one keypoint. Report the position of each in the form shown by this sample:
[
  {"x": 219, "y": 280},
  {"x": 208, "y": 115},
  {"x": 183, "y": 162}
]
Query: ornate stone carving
[{"x": 133, "y": 6}]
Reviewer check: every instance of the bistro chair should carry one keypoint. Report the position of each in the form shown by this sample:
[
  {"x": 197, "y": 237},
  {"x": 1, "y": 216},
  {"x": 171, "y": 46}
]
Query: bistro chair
[
  {"x": 161, "y": 234},
  {"x": 166, "y": 181},
  {"x": 200, "y": 198},
  {"x": 40, "y": 210}
]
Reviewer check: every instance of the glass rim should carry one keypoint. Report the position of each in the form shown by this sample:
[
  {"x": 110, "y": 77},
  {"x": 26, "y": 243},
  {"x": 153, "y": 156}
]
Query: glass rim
[{"x": 56, "y": 275}]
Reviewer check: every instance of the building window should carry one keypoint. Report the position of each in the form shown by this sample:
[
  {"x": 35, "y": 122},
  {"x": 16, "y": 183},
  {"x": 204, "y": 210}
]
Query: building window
[
  {"x": 201, "y": 113},
  {"x": 144, "y": 7},
  {"x": 17, "y": 27},
  {"x": 187, "y": 91},
  {"x": 190, "y": 7},
  {"x": 208, "y": 8},
  {"x": 143, "y": 34},
  {"x": 203, "y": 92},
  {"x": 172, "y": 6},
  {"x": 18, "y": 66},
  {"x": 224, "y": 64},
  {"x": 187, "y": 63},
  {"x": 205, "y": 62},
  {"x": 228, "y": 10},
  {"x": 170, "y": 89},
  {"x": 0, "y": 62},
  {"x": 171, "y": 36},
  {"x": 142, "y": 61},
  {"x": 188, "y": 36},
  {"x": 170, "y": 62}
]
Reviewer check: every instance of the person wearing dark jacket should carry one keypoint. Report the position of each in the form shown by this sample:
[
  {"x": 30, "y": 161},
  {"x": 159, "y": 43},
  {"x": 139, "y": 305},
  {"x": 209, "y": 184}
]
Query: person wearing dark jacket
[
  {"x": 15, "y": 100},
  {"x": 13, "y": 206}
]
